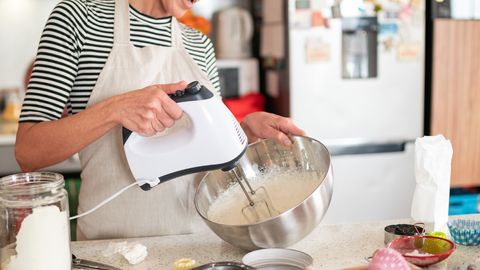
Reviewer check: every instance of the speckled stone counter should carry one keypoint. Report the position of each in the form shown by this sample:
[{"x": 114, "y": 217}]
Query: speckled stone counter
[{"x": 331, "y": 246}]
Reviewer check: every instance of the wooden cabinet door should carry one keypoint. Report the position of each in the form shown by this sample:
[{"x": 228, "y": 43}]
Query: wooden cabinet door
[{"x": 456, "y": 95}]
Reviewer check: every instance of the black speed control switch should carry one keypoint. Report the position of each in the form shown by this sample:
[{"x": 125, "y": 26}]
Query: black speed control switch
[
  {"x": 178, "y": 93},
  {"x": 193, "y": 88},
  {"x": 193, "y": 92}
]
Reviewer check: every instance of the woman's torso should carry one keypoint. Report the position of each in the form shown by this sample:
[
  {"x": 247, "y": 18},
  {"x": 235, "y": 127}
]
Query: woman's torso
[{"x": 164, "y": 210}]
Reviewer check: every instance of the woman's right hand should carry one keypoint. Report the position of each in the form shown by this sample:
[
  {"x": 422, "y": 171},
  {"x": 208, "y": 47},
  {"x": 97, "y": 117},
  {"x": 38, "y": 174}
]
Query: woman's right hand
[{"x": 148, "y": 110}]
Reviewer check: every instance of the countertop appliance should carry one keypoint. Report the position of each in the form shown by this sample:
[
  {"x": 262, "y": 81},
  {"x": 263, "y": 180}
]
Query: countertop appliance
[
  {"x": 233, "y": 34},
  {"x": 238, "y": 77},
  {"x": 358, "y": 87},
  {"x": 207, "y": 137}
]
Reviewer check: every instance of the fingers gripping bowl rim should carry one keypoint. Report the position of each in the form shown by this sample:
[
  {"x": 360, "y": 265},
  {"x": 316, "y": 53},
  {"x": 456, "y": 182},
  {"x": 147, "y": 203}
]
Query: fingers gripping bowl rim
[{"x": 304, "y": 155}]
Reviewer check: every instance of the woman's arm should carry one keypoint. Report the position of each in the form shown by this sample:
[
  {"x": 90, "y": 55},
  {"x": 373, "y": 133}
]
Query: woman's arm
[
  {"x": 147, "y": 111},
  {"x": 263, "y": 125}
]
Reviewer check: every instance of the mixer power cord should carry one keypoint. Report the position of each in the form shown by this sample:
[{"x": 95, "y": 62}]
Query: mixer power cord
[{"x": 152, "y": 183}]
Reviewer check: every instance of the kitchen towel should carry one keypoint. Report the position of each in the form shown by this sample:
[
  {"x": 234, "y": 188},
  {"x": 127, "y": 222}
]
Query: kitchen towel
[{"x": 433, "y": 158}]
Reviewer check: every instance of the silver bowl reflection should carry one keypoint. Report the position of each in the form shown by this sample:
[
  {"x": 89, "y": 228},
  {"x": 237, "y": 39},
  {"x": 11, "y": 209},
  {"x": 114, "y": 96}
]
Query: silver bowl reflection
[
  {"x": 306, "y": 154},
  {"x": 224, "y": 266}
]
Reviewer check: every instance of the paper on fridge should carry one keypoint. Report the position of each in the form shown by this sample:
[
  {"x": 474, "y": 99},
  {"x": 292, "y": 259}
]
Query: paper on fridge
[{"x": 433, "y": 159}]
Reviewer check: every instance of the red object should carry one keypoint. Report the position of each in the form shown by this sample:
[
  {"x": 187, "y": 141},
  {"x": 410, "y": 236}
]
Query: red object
[
  {"x": 242, "y": 106},
  {"x": 409, "y": 244}
]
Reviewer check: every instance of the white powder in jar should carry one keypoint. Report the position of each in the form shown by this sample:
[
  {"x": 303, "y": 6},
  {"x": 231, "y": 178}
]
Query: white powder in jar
[
  {"x": 286, "y": 189},
  {"x": 43, "y": 241}
]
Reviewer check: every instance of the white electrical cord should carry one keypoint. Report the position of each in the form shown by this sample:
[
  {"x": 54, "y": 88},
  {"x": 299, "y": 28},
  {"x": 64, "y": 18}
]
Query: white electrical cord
[{"x": 107, "y": 200}]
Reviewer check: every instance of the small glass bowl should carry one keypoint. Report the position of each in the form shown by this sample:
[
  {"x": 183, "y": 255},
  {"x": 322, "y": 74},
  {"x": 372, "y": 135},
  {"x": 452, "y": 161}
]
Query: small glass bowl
[
  {"x": 423, "y": 250},
  {"x": 465, "y": 232}
]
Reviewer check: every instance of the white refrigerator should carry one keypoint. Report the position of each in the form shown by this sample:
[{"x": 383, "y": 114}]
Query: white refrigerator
[{"x": 363, "y": 100}]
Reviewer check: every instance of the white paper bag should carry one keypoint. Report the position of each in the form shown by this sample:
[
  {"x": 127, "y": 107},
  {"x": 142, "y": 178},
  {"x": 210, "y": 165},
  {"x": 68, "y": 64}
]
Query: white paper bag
[{"x": 433, "y": 158}]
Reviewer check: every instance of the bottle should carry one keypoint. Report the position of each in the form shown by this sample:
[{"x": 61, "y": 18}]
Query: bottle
[
  {"x": 13, "y": 107},
  {"x": 34, "y": 225}
]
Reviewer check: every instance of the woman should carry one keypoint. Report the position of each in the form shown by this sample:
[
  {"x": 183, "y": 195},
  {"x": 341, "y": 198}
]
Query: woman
[{"x": 113, "y": 64}]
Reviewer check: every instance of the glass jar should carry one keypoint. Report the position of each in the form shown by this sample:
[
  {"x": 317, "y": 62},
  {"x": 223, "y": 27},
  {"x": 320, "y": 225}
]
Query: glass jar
[{"x": 34, "y": 225}]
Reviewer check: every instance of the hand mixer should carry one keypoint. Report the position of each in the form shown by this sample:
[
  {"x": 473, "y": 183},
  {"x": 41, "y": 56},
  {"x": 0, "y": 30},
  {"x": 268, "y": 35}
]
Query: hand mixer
[{"x": 207, "y": 137}]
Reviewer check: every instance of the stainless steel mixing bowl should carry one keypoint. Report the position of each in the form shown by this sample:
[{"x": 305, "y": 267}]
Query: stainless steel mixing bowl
[{"x": 306, "y": 154}]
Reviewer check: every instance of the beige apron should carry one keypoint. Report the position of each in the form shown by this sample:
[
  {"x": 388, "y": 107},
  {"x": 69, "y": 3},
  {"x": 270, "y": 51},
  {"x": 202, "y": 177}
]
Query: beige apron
[{"x": 167, "y": 208}]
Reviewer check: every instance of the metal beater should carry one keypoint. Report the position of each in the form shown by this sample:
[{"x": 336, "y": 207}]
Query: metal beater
[{"x": 260, "y": 206}]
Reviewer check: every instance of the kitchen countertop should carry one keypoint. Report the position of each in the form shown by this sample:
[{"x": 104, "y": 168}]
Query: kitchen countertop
[{"x": 331, "y": 246}]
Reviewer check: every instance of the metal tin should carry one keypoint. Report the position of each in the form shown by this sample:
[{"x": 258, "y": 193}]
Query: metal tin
[{"x": 401, "y": 230}]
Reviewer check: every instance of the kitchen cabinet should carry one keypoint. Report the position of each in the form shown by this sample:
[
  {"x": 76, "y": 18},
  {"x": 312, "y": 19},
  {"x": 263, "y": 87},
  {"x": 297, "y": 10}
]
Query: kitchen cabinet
[{"x": 456, "y": 95}]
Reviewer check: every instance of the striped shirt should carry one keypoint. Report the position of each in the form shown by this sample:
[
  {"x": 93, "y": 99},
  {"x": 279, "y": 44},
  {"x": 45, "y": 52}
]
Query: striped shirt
[{"x": 75, "y": 45}]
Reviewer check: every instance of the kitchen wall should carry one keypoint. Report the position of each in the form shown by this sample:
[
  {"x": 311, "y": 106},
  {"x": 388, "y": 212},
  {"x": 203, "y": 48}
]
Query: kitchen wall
[{"x": 21, "y": 25}]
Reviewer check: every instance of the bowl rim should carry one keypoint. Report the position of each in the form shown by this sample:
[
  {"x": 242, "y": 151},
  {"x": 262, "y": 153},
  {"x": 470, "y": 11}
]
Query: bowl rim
[
  {"x": 224, "y": 263},
  {"x": 262, "y": 250},
  {"x": 443, "y": 254},
  {"x": 330, "y": 170}
]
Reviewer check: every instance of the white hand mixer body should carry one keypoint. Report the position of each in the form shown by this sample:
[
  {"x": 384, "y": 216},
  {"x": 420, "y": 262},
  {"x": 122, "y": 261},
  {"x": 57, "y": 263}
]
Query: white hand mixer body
[{"x": 207, "y": 137}]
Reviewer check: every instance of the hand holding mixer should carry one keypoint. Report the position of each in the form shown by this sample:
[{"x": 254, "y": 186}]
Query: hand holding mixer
[{"x": 207, "y": 137}]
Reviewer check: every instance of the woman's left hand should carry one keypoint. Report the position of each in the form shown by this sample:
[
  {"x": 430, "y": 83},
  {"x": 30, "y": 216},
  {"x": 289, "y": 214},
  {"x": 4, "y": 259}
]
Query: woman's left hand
[{"x": 263, "y": 125}]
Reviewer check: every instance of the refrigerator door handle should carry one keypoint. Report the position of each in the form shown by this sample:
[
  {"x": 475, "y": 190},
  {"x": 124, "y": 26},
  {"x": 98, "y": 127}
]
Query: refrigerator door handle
[{"x": 339, "y": 147}]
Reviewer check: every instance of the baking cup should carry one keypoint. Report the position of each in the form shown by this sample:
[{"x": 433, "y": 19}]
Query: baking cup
[{"x": 465, "y": 232}]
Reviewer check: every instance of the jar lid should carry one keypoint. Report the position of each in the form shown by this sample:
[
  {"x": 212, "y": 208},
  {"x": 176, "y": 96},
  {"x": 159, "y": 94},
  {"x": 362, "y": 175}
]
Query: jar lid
[{"x": 31, "y": 183}]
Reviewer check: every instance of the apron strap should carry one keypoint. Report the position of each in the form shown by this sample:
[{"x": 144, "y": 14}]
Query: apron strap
[
  {"x": 121, "y": 29},
  {"x": 177, "y": 40}
]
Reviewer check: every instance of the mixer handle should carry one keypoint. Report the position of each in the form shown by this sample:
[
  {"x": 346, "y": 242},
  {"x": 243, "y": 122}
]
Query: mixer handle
[{"x": 193, "y": 92}]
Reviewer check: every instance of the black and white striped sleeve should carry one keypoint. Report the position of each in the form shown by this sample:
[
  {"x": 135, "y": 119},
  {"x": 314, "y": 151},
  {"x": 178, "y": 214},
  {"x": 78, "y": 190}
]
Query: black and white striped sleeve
[
  {"x": 201, "y": 49},
  {"x": 211, "y": 64},
  {"x": 56, "y": 63}
]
